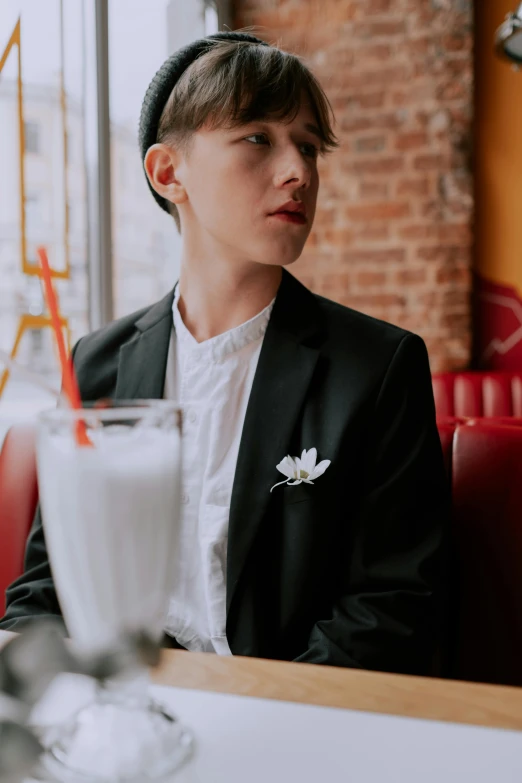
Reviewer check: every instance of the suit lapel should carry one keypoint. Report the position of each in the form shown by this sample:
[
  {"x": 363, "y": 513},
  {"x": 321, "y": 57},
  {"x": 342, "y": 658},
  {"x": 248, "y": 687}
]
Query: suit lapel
[
  {"x": 286, "y": 365},
  {"x": 143, "y": 360}
]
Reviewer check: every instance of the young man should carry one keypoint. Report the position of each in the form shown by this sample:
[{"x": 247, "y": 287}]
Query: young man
[{"x": 342, "y": 562}]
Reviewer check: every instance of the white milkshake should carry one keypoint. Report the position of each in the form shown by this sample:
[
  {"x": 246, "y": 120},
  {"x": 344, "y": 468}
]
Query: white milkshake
[
  {"x": 110, "y": 516},
  {"x": 110, "y": 520}
]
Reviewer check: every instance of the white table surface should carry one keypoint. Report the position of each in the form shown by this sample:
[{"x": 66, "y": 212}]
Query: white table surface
[{"x": 246, "y": 740}]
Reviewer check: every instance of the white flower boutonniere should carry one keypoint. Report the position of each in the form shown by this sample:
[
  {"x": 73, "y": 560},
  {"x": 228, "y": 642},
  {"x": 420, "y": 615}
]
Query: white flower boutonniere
[{"x": 301, "y": 469}]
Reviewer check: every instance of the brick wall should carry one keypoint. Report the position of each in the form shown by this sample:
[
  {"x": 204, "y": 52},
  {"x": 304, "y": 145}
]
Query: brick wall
[{"x": 393, "y": 231}]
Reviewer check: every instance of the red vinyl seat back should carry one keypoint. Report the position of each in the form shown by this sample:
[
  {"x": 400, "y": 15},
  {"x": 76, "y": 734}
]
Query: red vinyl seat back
[
  {"x": 18, "y": 500},
  {"x": 486, "y": 639},
  {"x": 478, "y": 394}
]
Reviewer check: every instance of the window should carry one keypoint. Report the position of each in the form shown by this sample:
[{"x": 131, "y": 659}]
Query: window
[
  {"x": 144, "y": 239},
  {"x": 70, "y": 148},
  {"x": 146, "y": 244},
  {"x": 59, "y": 57},
  {"x": 32, "y": 137},
  {"x": 33, "y": 214},
  {"x": 211, "y": 18},
  {"x": 52, "y": 61},
  {"x": 122, "y": 173}
]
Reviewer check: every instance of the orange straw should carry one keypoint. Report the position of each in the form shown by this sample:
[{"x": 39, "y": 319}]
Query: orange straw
[{"x": 69, "y": 381}]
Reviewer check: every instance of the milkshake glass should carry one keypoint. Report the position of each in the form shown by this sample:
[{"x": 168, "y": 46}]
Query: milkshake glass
[{"x": 110, "y": 517}]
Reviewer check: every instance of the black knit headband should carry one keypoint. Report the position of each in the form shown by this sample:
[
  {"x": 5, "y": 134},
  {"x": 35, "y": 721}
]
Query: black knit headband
[{"x": 162, "y": 84}]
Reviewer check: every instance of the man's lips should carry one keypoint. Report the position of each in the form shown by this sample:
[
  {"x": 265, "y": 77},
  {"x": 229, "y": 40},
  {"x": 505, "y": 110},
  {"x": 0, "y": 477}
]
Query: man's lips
[
  {"x": 290, "y": 217},
  {"x": 292, "y": 212}
]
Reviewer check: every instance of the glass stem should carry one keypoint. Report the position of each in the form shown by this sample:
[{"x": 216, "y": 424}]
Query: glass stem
[{"x": 130, "y": 691}]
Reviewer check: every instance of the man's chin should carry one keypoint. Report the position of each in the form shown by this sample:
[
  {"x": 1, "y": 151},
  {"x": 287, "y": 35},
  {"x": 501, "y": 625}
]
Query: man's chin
[{"x": 273, "y": 258}]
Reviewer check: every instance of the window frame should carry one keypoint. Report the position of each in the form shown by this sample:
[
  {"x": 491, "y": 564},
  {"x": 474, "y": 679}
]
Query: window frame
[
  {"x": 98, "y": 158},
  {"x": 97, "y": 161}
]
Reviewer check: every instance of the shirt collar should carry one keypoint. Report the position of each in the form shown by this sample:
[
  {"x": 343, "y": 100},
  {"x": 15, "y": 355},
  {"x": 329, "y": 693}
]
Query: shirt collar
[{"x": 222, "y": 345}]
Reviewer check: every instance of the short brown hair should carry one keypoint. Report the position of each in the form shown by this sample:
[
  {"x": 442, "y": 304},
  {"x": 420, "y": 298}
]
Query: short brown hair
[{"x": 236, "y": 83}]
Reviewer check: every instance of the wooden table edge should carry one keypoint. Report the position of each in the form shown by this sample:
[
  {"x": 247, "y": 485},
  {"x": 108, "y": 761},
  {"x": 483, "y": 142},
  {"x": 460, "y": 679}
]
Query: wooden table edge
[
  {"x": 427, "y": 698},
  {"x": 392, "y": 694}
]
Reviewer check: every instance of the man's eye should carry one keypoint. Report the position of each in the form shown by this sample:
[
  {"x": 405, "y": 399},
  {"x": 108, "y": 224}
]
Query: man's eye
[
  {"x": 261, "y": 138},
  {"x": 310, "y": 150}
]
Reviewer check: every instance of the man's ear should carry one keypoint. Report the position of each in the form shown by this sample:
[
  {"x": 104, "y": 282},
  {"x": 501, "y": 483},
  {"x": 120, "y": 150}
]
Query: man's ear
[{"x": 162, "y": 165}]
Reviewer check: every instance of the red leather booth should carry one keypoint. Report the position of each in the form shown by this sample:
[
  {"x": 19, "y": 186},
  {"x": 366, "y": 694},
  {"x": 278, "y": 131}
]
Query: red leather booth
[
  {"x": 484, "y": 462},
  {"x": 489, "y": 394},
  {"x": 487, "y": 550},
  {"x": 18, "y": 499}
]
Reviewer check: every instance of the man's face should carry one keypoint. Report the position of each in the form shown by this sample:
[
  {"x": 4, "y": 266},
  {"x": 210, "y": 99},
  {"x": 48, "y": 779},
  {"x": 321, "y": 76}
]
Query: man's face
[{"x": 236, "y": 180}]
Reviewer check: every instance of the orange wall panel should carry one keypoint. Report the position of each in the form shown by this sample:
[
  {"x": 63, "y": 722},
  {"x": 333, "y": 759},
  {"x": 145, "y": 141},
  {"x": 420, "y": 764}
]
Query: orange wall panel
[{"x": 498, "y": 196}]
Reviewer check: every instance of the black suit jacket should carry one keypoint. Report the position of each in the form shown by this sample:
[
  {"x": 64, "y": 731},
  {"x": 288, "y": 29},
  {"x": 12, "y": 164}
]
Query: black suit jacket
[{"x": 348, "y": 571}]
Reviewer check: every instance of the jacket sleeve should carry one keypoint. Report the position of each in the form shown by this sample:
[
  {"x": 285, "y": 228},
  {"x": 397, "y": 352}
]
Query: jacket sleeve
[{"x": 389, "y": 611}]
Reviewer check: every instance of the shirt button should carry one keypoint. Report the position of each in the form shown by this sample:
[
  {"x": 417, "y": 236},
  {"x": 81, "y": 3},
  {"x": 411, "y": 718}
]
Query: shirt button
[
  {"x": 185, "y": 499},
  {"x": 192, "y": 416}
]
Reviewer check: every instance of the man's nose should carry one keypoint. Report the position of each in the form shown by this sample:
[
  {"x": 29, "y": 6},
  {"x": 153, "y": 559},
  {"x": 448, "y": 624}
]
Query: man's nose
[{"x": 293, "y": 169}]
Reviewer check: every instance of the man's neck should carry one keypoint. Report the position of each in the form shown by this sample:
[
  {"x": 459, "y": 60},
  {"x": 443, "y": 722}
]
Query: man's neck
[{"x": 219, "y": 297}]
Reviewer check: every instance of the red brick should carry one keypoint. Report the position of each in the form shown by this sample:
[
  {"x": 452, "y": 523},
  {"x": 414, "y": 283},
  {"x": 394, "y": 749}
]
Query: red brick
[
  {"x": 419, "y": 46},
  {"x": 456, "y": 322},
  {"x": 405, "y": 277},
  {"x": 418, "y": 186},
  {"x": 452, "y": 90},
  {"x": 418, "y": 231},
  {"x": 457, "y": 43},
  {"x": 448, "y": 255},
  {"x": 377, "y": 6},
  {"x": 336, "y": 281},
  {"x": 445, "y": 233},
  {"x": 372, "y": 30},
  {"x": 411, "y": 141},
  {"x": 370, "y": 144},
  {"x": 387, "y": 256},
  {"x": 337, "y": 237},
  {"x": 459, "y": 275},
  {"x": 373, "y": 189},
  {"x": 432, "y": 162},
  {"x": 456, "y": 299},
  {"x": 371, "y": 279},
  {"x": 367, "y": 233},
  {"x": 362, "y": 302},
  {"x": 365, "y": 100},
  {"x": 377, "y": 52},
  {"x": 373, "y": 165},
  {"x": 456, "y": 66},
  {"x": 376, "y": 77},
  {"x": 379, "y": 210},
  {"x": 388, "y": 121}
]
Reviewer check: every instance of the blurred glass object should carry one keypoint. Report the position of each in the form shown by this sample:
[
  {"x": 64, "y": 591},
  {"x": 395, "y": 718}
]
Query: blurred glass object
[
  {"x": 29, "y": 665},
  {"x": 19, "y": 752}
]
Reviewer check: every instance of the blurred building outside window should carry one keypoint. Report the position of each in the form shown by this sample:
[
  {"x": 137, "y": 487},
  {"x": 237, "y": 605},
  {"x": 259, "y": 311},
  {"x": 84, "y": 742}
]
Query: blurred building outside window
[
  {"x": 145, "y": 242},
  {"x": 37, "y": 183},
  {"x": 32, "y": 137}
]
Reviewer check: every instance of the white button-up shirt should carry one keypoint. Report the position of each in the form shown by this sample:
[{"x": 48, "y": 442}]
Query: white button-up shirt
[{"x": 212, "y": 380}]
